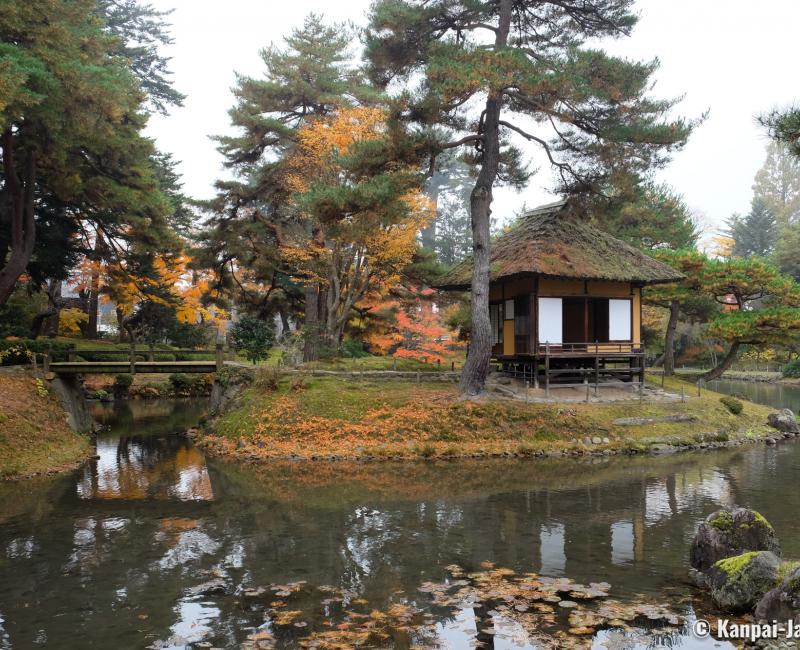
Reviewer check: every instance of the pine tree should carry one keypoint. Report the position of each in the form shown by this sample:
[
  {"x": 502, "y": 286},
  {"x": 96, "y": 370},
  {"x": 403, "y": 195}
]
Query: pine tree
[
  {"x": 777, "y": 184},
  {"x": 784, "y": 127},
  {"x": 651, "y": 216},
  {"x": 754, "y": 234},
  {"x": 520, "y": 59},
  {"x": 308, "y": 79},
  {"x": 70, "y": 133},
  {"x": 141, "y": 31}
]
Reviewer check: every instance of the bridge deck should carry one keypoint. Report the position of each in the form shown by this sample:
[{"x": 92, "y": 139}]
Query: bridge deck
[{"x": 121, "y": 367}]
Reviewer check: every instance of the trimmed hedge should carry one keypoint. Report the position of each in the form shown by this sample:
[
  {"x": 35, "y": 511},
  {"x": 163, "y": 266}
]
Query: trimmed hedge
[
  {"x": 732, "y": 404},
  {"x": 38, "y": 346}
]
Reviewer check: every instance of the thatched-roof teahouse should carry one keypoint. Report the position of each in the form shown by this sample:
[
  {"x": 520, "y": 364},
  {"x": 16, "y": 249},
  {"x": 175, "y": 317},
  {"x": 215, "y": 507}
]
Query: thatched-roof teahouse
[{"x": 565, "y": 297}]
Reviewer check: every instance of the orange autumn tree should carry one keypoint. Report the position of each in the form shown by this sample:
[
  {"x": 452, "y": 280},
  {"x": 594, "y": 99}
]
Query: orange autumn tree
[
  {"x": 357, "y": 213},
  {"x": 171, "y": 282},
  {"x": 409, "y": 327}
]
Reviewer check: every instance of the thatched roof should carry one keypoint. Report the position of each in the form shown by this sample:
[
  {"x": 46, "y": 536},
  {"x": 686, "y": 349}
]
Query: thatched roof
[{"x": 552, "y": 243}]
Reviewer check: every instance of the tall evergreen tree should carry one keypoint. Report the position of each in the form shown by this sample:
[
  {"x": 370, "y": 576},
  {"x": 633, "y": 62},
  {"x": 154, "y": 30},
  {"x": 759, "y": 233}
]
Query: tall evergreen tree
[
  {"x": 141, "y": 32},
  {"x": 650, "y": 216},
  {"x": 309, "y": 78},
  {"x": 777, "y": 184},
  {"x": 784, "y": 127},
  {"x": 70, "y": 135},
  {"x": 756, "y": 233},
  {"x": 521, "y": 59}
]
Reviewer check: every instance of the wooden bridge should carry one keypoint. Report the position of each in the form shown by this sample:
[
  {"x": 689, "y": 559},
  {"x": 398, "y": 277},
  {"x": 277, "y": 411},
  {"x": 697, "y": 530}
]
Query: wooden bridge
[{"x": 134, "y": 360}]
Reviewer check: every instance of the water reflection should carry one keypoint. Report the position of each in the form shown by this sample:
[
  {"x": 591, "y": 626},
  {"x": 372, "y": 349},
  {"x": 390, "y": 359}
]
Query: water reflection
[
  {"x": 130, "y": 536},
  {"x": 134, "y": 466},
  {"x": 777, "y": 395}
]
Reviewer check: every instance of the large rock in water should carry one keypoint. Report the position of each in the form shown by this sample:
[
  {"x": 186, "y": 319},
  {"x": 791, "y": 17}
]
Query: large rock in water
[
  {"x": 728, "y": 533},
  {"x": 738, "y": 583},
  {"x": 783, "y": 602},
  {"x": 784, "y": 421}
]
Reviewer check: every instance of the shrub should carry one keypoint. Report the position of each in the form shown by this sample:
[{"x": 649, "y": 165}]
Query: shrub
[
  {"x": 267, "y": 378},
  {"x": 184, "y": 384},
  {"x": 253, "y": 336},
  {"x": 298, "y": 382},
  {"x": 122, "y": 383},
  {"x": 354, "y": 349},
  {"x": 15, "y": 351},
  {"x": 100, "y": 394},
  {"x": 732, "y": 404},
  {"x": 181, "y": 383},
  {"x": 792, "y": 369},
  {"x": 425, "y": 450}
]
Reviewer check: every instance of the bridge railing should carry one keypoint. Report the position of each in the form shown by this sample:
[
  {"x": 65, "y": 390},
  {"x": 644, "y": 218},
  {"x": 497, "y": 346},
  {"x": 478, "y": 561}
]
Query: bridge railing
[{"x": 133, "y": 353}]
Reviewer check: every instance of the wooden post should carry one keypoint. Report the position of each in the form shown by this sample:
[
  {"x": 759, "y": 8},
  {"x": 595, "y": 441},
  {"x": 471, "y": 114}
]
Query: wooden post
[
  {"x": 151, "y": 355},
  {"x": 219, "y": 358},
  {"x": 641, "y": 366},
  {"x": 71, "y": 353},
  {"x": 132, "y": 358},
  {"x": 547, "y": 370},
  {"x": 452, "y": 366},
  {"x": 596, "y": 375},
  {"x": 48, "y": 357}
]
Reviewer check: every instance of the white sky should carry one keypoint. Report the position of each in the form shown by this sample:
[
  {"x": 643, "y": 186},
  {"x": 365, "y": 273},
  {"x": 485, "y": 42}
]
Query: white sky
[{"x": 735, "y": 58}]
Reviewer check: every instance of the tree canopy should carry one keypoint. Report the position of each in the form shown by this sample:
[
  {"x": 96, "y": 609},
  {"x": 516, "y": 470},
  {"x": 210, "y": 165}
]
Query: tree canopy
[
  {"x": 75, "y": 164},
  {"x": 520, "y": 62}
]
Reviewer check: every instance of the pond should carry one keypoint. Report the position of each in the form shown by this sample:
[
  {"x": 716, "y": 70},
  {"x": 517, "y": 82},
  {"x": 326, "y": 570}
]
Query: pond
[
  {"x": 771, "y": 394},
  {"x": 111, "y": 555}
]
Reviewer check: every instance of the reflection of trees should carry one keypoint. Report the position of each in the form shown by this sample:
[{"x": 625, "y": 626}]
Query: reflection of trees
[{"x": 373, "y": 529}]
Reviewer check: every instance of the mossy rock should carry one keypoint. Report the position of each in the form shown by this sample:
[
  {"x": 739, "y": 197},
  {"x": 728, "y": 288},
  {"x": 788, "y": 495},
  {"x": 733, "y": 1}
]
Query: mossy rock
[
  {"x": 738, "y": 583},
  {"x": 783, "y": 602},
  {"x": 728, "y": 533}
]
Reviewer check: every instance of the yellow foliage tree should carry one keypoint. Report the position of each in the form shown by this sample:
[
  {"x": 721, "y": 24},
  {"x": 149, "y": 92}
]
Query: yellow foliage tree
[{"x": 355, "y": 225}]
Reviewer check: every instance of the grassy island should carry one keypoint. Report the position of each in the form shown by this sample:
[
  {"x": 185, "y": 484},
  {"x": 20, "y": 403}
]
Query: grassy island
[{"x": 332, "y": 418}]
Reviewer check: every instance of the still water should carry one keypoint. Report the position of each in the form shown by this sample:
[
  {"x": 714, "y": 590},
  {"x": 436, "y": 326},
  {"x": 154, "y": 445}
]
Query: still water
[
  {"x": 108, "y": 556},
  {"x": 777, "y": 395}
]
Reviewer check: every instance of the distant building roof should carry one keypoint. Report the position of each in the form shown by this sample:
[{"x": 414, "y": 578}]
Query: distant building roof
[{"x": 551, "y": 242}]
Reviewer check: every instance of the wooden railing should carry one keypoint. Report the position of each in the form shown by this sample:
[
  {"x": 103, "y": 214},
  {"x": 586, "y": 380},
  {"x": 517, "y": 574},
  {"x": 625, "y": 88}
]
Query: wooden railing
[{"x": 596, "y": 347}]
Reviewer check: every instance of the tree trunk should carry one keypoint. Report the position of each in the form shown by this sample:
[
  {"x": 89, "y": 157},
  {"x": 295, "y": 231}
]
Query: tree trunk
[
  {"x": 37, "y": 324},
  {"x": 54, "y": 293},
  {"x": 473, "y": 375},
  {"x": 286, "y": 327},
  {"x": 122, "y": 334},
  {"x": 311, "y": 323},
  {"x": 21, "y": 214},
  {"x": 669, "y": 339},
  {"x": 428, "y": 234},
  {"x": 716, "y": 372},
  {"x": 94, "y": 288}
]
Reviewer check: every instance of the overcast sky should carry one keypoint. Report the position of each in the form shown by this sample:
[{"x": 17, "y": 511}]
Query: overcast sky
[{"x": 735, "y": 58}]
